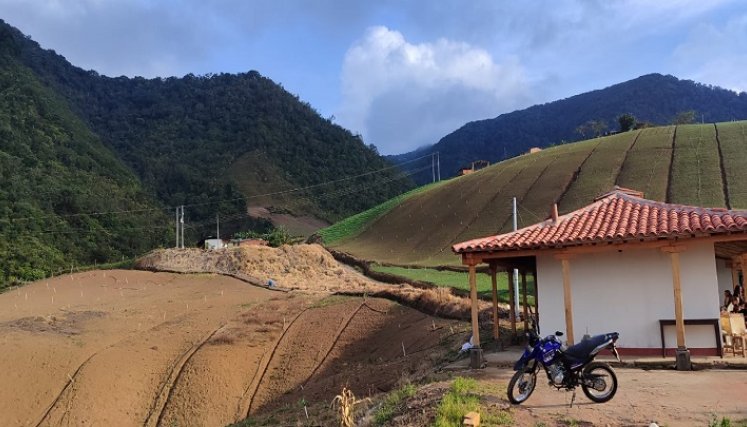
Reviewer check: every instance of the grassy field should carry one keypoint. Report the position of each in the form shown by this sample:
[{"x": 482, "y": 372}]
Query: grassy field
[
  {"x": 459, "y": 280},
  {"x": 696, "y": 172},
  {"x": 733, "y": 137},
  {"x": 599, "y": 172},
  {"x": 420, "y": 229},
  {"x": 646, "y": 167}
]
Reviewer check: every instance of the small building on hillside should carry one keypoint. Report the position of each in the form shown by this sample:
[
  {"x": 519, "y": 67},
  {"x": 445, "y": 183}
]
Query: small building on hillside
[
  {"x": 473, "y": 167},
  {"x": 653, "y": 271},
  {"x": 211, "y": 244},
  {"x": 534, "y": 150}
]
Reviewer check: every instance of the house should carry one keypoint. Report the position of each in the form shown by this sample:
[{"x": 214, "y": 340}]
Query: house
[
  {"x": 534, "y": 150},
  {"x": 473, "y": 167},
  {"x": 652, "y": 271}
]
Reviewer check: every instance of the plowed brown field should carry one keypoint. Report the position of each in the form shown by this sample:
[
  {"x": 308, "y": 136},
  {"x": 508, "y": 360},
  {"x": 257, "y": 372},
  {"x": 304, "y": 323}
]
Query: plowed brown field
[{"x": 140, "y": 348}]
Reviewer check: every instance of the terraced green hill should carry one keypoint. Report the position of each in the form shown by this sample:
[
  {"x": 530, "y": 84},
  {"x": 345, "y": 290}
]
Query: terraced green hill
[{"x": 703, "y": 165}]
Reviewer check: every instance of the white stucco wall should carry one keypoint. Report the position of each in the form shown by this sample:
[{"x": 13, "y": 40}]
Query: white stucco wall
[
  {"x": 724, "y": 278},
  {"x": 629, "y": 292}
]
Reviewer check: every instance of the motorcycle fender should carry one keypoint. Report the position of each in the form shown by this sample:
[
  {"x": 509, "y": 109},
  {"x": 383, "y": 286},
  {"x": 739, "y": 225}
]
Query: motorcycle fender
[{"x": 521, "y": 364}]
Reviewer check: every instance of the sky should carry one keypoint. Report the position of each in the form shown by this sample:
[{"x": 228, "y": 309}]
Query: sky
[{"x": 405, "y": 73}]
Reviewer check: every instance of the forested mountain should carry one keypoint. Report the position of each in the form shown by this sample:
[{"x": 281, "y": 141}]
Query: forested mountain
[
  {"x": 52, "y": 169},
  {"x": 211, "y": 142},
  {"x": 651, "y": 99}
]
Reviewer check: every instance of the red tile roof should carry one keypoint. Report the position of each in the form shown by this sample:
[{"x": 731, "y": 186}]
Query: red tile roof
[{"x": 618, "y": 216}]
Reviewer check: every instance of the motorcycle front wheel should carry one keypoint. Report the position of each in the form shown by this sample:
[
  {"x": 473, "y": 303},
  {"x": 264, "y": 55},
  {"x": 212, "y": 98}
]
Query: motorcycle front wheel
[
  {"x": 521, "y": 386},
  {"x": 599, "y": 382}
]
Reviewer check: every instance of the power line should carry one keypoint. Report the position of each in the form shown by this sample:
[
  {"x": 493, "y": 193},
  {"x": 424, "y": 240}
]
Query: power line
[{"x": 169, "y": 208}]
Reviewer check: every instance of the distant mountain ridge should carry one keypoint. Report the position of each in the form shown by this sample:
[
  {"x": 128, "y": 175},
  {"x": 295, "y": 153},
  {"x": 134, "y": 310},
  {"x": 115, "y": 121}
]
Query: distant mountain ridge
[{"x": 652, "y": 98}]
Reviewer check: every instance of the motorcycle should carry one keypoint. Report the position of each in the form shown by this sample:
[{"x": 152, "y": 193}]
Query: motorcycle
[{"x": 566, "y": 368}]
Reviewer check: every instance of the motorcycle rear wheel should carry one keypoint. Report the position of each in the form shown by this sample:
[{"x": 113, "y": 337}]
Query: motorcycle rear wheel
[
  {"x": 521, "y": 386},
  {"x": 599, "y": 382}
]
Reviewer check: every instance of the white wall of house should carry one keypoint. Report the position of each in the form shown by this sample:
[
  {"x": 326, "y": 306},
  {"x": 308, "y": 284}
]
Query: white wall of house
[
  {"x": 628, "y": 292},
  {"x": 724, "y": 278}
]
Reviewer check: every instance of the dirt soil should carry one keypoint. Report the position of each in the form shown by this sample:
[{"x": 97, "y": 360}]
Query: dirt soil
[
  {"x": 141, "y": 348},
  {"x": 667, "y": 397}
]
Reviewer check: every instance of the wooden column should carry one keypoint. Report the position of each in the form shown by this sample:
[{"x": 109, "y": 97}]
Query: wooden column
[
  {"x": 679, "y": 317},
  {"x": 536, "y": 299},
  {"x": 475, "y": 305},
  {"x": 494, "y": 280},
  {"x": 524, "y": 299},
  {"x": 567, "y": 297},
  {"x": 512, "y": 301}
]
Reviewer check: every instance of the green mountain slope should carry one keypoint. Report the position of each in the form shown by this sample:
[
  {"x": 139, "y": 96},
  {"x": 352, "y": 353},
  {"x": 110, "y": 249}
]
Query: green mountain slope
[
  {"x": 184, "y": 136},
  {"x": 53, "y": 169},
  {"x": 699, "y": 165}
]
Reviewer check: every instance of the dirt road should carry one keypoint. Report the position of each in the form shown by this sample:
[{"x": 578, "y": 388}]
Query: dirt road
[{"x": 668, "y": 398}]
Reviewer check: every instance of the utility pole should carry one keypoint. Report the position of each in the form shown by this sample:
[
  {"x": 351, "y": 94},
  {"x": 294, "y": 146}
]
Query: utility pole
[
  {"x": 438, "y": 165},
  {"x": 176, "y": 229},
  {"x": 181, "y": 221},
  {"x": 217, "y": 226},
  {"x": 433, "y": 166},
  {"x": 516, "y": 271}
]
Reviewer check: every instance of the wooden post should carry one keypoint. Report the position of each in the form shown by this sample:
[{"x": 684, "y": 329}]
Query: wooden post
[
  {"x": 475, "y": 306},
  {"x": 682, "y": 353},
  {"x": 536, "y": 298},
  {"x": 524, "y": 299},
  {"x": 567, "y": 299},
  {"x": 494, "y": 280},
  {"x": 512, "y": 302},
  {"x": 679, "y": 318}
]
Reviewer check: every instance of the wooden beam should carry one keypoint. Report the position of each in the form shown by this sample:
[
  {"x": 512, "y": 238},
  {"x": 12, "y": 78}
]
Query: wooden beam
[
  {"x": 567, "y": 299},
  {"x": 512, "y": 299},
  {"x": 475, "y": 306},
  {"x": 524, "y": 299},
  {"x": 677, "y": 286},
  {"x": 494, "y": 280}
]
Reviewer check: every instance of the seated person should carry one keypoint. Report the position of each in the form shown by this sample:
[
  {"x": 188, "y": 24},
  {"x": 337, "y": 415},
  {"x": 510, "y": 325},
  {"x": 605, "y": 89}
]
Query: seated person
[{"x": 727, "y": 298}]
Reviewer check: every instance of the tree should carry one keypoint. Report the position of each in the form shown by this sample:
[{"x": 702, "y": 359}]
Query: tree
[
  {"x": 592, "y": 127},
  {"x": 627, "y": 122},
  {"x": 684, "y": 117}
]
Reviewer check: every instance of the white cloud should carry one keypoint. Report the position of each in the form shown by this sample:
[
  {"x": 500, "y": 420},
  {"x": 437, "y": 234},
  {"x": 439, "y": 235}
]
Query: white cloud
[
  {"x": 716, "y": 54},
  {"x": 400, "y": 95}
]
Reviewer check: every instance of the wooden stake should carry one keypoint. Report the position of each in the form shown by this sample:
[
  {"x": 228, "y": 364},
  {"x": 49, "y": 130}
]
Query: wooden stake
[{"x": 475, "y": 307}]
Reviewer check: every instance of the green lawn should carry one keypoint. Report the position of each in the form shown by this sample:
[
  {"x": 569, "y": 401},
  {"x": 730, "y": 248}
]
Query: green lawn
[{"x": 458, "y": 280}]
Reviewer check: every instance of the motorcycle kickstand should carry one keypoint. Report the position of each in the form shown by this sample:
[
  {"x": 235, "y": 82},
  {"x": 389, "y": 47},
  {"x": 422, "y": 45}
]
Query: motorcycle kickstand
[{"x": 573, "y": 398}]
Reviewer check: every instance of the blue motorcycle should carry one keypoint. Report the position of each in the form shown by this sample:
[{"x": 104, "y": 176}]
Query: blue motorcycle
[{"x": 566, "y": 368}]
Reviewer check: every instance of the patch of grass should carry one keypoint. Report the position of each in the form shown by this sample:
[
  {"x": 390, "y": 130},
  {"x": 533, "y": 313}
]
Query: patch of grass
[
  {"x": 354, "y": 225},
  {"x": 458, "y": 280},
  {"x": 331, "y": 300},
  {"x": 570, "y": 422},
  {"x": 497, "y": 417},
  {"x": 458, "y": 401},
  {"x": 393, "y": 403}
]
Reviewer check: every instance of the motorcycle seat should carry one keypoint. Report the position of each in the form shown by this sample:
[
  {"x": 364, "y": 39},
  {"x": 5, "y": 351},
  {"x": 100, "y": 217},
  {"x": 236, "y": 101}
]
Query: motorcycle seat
[{"x": 582, "y": 351}]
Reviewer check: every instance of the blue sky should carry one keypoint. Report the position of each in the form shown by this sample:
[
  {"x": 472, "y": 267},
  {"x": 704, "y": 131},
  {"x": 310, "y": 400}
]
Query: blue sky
[{"x": 401, "y": 73}]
